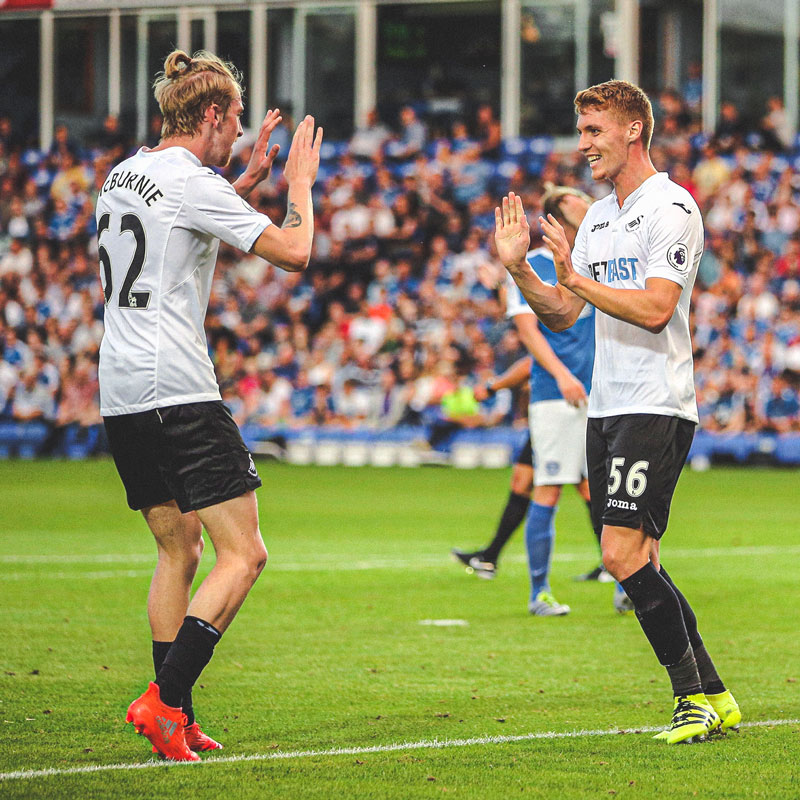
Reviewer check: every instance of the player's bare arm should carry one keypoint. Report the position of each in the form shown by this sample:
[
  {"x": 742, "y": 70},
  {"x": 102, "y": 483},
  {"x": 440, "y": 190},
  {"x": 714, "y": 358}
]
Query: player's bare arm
[
  {"x": 556, "y": 307},
  {"x": 650, "y": 308},
  {"x": 289, "y": 247},
  {"x": 515, "y": 375},
  {"x": 260, "y": 164},
  {"x": 570, "y": 387}
]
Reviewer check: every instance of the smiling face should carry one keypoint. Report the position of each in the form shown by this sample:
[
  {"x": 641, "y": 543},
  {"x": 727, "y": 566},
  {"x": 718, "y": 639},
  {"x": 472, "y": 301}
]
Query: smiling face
[{"x": 604, "y": 141}]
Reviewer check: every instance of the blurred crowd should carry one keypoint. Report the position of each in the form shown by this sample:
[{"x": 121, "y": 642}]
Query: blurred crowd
[{"x": 395, "y": 320}]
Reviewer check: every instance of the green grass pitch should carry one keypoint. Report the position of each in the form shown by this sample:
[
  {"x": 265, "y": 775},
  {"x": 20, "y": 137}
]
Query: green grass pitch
[{"x": 328, "y": 653}]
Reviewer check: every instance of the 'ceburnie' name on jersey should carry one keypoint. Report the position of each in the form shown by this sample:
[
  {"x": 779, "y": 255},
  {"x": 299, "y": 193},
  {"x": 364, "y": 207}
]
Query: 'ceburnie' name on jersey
[
  {"x": 136, "y": 182},
  {"x": 615, "y": 269}
]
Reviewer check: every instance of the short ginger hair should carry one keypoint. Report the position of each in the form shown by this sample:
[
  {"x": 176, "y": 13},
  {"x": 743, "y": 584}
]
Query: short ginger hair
[
  {"x": 626, "y": 101},
  {"x": 189, "y": 85}
]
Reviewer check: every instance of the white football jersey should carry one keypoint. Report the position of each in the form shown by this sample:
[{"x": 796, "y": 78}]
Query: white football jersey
[
  {"x": 658, "y": 233},
  {"x": 160, "y": 217}
]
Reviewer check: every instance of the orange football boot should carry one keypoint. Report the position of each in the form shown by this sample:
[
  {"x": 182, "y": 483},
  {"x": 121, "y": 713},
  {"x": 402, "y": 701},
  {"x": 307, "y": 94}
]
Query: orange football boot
[
  {"x": 198, "y": 741},
  {"x": 161, "y": 724}
]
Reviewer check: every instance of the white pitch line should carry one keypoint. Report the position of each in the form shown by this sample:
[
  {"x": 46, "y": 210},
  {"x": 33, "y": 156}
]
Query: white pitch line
[
  {"x": 327, "y": 562},
  {"x": 429, "y": 744}
]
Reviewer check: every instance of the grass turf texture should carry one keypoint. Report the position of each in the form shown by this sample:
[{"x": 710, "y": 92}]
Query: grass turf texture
[{"x": 328, "y": 651}]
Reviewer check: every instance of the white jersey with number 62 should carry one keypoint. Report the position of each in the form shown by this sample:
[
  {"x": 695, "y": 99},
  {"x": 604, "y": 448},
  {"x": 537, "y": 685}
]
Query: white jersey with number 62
[{"x": 160, "y": 218}]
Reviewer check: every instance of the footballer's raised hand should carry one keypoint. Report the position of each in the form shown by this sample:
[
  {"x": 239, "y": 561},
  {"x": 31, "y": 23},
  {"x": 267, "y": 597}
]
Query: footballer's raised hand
[
  {"x": 556, "y": 240},
  {"x": 512, "y": 234},
  {"x": 303, "y": 160},
  {"x": 260, "y": 164}
]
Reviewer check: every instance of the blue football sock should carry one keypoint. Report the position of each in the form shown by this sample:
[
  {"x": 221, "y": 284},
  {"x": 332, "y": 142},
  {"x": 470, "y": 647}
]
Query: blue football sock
[{"x": 539, "y": 535}]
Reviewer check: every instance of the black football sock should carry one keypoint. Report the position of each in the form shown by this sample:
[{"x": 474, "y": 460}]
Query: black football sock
[
  {"x": 513, "y": 514},
  {"x": 659, "y": 613},
  {"x": 598, "y": 532},
  {"x": 712, "y": 683},
  {"x": 186, "y": 659},
  {"x": 160, "y": 650}
]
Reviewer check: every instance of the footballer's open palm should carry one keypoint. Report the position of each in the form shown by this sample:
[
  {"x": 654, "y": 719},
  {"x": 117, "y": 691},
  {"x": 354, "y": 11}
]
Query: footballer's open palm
[
  {"x": 512, "y": 233},
  {"x": 302, "y": 162},
  {"x": 556, "y": 240}
]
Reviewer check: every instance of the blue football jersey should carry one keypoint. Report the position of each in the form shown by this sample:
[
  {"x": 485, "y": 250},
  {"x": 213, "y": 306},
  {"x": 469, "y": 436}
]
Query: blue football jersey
[{"x": 574, "y": 347}]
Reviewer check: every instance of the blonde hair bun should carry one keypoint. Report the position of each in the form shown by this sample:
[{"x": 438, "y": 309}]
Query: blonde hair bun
[{"x": 176, "y": 63}]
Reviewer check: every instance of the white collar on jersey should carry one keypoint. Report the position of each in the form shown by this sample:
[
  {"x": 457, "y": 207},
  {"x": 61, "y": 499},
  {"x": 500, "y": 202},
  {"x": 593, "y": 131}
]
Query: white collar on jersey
[
  {"x": 653, "y": 183},
  {"x": 172, "y": 150}
]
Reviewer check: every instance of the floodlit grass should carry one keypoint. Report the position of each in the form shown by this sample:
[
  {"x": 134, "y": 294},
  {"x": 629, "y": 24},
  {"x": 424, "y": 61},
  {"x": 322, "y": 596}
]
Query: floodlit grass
[{"x": 328, "y": 651}]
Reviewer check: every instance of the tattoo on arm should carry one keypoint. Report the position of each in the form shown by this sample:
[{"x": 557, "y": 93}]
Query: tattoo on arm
[{"x": 293, "y": 218}]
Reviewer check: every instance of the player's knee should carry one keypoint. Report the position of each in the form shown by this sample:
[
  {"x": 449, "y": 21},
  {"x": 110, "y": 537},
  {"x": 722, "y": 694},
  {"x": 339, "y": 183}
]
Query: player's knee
[
  {"x": 252, "y": 561},
  {"x": 260, "y": 559},
  {"x": 615, "y": 559},
  {"x": 195, "y": 552},
  {"x": 522, "y": 481}
]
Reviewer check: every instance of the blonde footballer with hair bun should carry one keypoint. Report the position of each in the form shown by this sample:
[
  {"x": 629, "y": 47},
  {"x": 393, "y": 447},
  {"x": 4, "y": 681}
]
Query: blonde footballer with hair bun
[
  {"x": 188, "y": 85},
  {"x": 161, "y": 215}
]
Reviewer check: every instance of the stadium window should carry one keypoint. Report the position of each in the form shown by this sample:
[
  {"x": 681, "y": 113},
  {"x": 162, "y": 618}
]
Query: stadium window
[
  {"x": 280, "y": 57},
  {"x": 128, "y": 56},
  {"x": 602, "y": 47},
  {"x": 80, "y": 70},
  {"x": 19, "y": 73},
  {"x": 233, "y": 40},
  {"x": 197, "y": 35},
  {"x": 751, "y": 52},
  {"x": 162, "y": 33},
  {"x": 442, "y": 58},
  {"x": 547, "y": 69},
  {"x": 330, "y": 62}
]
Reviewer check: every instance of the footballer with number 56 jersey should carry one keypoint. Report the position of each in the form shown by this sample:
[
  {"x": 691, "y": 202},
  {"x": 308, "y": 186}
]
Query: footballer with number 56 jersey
[
  {"x": 161, "y": 215},
  {"x": 635, "y": 260}
]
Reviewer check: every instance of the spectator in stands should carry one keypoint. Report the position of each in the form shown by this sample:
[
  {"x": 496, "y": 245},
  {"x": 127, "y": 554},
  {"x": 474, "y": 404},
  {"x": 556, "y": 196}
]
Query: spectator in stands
[
  {"x": 782, "y": 409},
  {"x": 692, "y": 89},
  {"x": 413, "y": 135},
  {"x": 775, "y": 130},
  {"x": 730, "y": 130},
  {"x": 488, "y": 132},
  {"x": 711, "y": 172},
  {"x": 398, "y": 292},
  {"x": 8, "y": 379},
  {"x": 32, "y": 400},
  {"x": 18, "y": 259},
  {"x": 788, "y": 264},
  {"x": 368, "y": 140}
]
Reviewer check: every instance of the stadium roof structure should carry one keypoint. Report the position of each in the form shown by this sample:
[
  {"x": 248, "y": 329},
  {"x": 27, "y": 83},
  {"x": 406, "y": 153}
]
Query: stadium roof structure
[{"x": 90, "y": 60}]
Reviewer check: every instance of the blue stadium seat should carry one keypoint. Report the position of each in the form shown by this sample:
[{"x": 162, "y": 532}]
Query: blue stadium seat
[
  {"x": 515, "y": 147},
  {"x": 332, "y": 151},
  {"x": 787, "y": 448},
  {"x": 541, "y": 145},
  {"x": 31, "y": 437}
]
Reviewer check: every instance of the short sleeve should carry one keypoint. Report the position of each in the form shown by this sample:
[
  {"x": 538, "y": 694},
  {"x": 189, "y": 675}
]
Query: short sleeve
[
  {"x": 580, "y": 262},
  {"x": 212, "y": 206},
  {"x": 674, "y": 242},
  {"x": 516, "y": 303}
]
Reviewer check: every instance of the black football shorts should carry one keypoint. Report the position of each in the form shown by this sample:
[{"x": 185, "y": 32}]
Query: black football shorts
[
  {"x": 523, "y": 453},
  {"x": 191, "y": 453},
  {"x": 634, "y": 462}
]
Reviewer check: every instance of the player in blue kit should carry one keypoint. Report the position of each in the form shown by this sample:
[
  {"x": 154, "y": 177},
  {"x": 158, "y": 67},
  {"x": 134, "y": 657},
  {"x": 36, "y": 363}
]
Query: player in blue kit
[{"x": 561, "y": 375}]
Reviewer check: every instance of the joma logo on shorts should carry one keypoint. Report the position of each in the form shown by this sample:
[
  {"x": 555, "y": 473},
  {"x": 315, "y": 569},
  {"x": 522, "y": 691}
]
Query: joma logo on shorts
[{"x": 614, "y": 503}]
